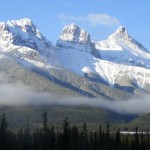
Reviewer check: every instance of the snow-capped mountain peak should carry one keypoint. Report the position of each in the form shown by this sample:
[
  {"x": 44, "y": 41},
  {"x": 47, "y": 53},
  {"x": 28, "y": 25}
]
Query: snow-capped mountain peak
[
  {"x": 118, "y": 60},
  {"x": 23, "y": 33},
  {"x": 74, "y": 33},
  {"x": 21, "y": 22},
  {"x": 121, "y": 29},
  {"x": 121, "y": 48},
  {"x": 123, "y": 39},
  {"x": 121, "y": 34},
  {"x": 73, "y": 37},
  {"x": 25, "y": 25}
]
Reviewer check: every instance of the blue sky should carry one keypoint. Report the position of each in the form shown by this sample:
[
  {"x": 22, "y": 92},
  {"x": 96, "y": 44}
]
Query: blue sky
[{"x": 99, "y": 17}]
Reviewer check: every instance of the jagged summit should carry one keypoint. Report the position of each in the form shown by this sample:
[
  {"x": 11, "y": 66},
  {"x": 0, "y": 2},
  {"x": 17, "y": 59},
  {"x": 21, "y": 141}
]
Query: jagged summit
[
  {"x": 121, "y": 34},
  {"x": 121, "y": 29},
  {"x": 73, "y": 37},
  {"x": 23, "y": 32},
  {"x": 128, "y": 42},
  {"x": 24, "y": 21},
  {"x": 74, "y": 33},
  {"x": 121, "y": 48},
  {"x": 25, "y": 25},
  {"x": 118, "y": 60}
]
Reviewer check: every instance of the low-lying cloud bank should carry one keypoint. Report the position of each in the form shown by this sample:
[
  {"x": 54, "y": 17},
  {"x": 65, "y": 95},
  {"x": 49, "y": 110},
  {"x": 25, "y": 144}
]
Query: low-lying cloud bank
[{"x": 17, "y": 95}]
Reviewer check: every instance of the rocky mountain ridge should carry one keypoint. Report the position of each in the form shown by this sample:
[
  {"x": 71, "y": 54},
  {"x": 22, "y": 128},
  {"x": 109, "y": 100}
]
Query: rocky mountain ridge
[{"x": 119, "y": 62}]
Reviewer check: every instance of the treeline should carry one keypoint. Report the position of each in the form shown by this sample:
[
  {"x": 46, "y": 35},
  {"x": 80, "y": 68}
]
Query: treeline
[{"x": 70, "y": 138}]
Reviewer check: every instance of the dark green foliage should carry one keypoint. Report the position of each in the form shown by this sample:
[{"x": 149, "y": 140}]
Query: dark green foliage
[
  {"x": 118, "y": 140},
  {"x": 69, "y": 138},
  {"x": 18, "y": 116},
  {"x": 66, "y": 135},
  {"x": 3, "y": 132},
  {"x": 84, "y": 138},
  {"x": 75, "y": 138},
  {"x": 45, "y": 131}
]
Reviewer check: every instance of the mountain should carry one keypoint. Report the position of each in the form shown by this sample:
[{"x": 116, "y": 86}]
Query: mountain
[
  {"x": 133, "y": 59},
  {"x": 74, "y": 37},
  {"x": 23, "y": 33},
  {"x": 115, "y": 68},
  {"x": 120, "y": 61},
  {"x": 120, "y": 47}
]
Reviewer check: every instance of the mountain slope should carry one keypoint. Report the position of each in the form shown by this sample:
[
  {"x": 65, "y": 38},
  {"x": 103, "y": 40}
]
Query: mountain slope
[
  {"x": 76, "y": 63},
  {"x": 58, "y": 82},
  {"x": 121, "y": 61},
  {"x": 121, "y": 48},
  {"x": 133, "y": 59},
  {"x": 13, "y": 73},
  {"x": 143, "y": 120},
  {"x": 40, "y": 67}
]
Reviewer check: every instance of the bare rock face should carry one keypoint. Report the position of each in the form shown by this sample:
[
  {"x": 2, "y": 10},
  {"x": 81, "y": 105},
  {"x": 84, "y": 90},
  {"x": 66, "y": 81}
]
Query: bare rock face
[
  {"x": 74, "y": 37},
  {"x": 74, "y": 33}
]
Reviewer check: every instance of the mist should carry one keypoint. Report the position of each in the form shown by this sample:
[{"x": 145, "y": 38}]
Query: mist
[{"x": 18, "y": 95}]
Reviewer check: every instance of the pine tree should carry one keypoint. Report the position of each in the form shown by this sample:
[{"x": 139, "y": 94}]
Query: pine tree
[
  {"x": 3, "y": 132},
  {"x": 91, "y": 140},
  {"x": 52, "y": 139},
  {"x": 27, "y": 143},
  {"x": 136, "y": 140},
  {"x": 84, "y": 138},
  {"x": 45, "y": 123},
  {"x": 66, "y": 134},
  {"x": 45, "y": 131},
  {"x": 75, "y": 138},
  {"x": 118, "y": 140},
  {"x": 107, "y": 138},
  {"x": 100, "y": 138},
  {"x": 95, "y": 145}
]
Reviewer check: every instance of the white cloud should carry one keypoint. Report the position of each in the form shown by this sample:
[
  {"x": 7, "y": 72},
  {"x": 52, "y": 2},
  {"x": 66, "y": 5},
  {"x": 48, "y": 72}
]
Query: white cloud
[
  {"x": 102, "y": 19},
  {"x": 23, "y": 95},
  {"x": 92, "y": 19}
]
